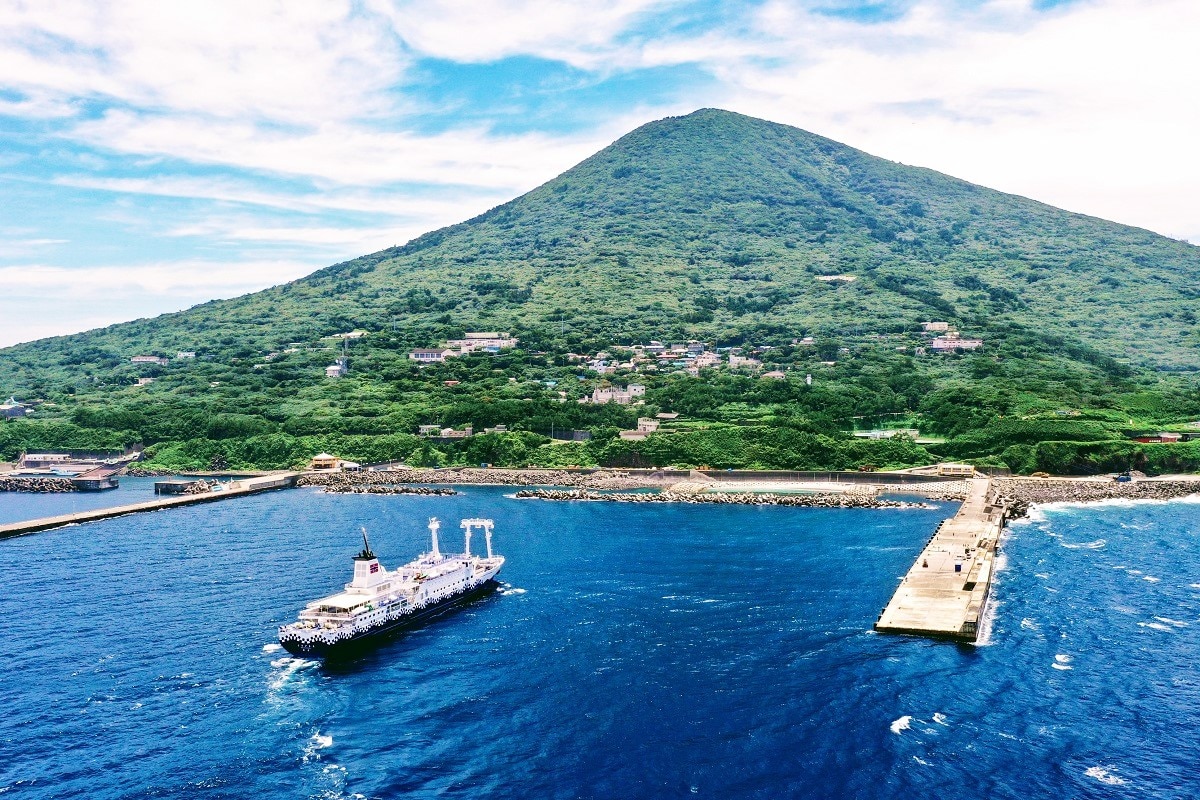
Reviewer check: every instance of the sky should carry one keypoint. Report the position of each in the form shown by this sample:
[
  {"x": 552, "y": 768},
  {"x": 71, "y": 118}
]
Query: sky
[{"x": 157, "y": 155}]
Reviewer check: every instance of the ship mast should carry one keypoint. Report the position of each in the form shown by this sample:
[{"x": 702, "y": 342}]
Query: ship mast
[
  {"x": 366, "y": 551},
  {"x": 433, "y": 530}
]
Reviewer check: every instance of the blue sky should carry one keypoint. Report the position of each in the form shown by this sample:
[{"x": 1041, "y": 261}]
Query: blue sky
[{"x": 156, "y": 155}]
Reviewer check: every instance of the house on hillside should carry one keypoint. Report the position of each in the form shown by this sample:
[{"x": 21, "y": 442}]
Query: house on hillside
[
  {"x": 935, "y": 327},
  {"x": 436, "y": 356},
  {"x": 645, "y": 427},
  {"x": 337, "y": 369},
  {"x": 775, "y": 374},
  {"x": 614, "y": 394},
  {"x": 11, "y": 409},
  {"x": 183, "y": 355},
  {"x": 159, "y": 360},
  {"x": 325, "y": 461},
  {"x": 948, "y": 343},
  {"x": 486, "y": 341}
]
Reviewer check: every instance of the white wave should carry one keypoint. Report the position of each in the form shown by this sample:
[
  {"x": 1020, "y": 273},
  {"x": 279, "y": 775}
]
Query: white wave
[
  {"x": 1095, "y": 545},
  {"x": 316, "y": 742},
  {"x": 1042, "y": 575},
  {"x": 1194, "y": 585},
  {"x": 511, "y": 590},
  {"x": 901, "y": 724},
  {"x": 1105, "y": 775},
  {"x": 1063, "y": 658},
  {"x": 1029, "y": 624},
  {"x": 287, "y": 667},
  {"x": 1151, "y": 579},
  {"x": 274, "y": 647},
  {"x": 939, "y": 718},
  {"x": 1063, "y": 667},
  {"x": 1118, "y": 502},
  {"x": 1158, "y": 626},
  {"x": 921, "y": 761},
  {"x": 1134, "y": 571},
  {"x": 1177, "y": 623}
]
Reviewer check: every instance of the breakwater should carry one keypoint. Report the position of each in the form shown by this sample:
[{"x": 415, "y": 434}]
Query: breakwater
[
  {"x": 945, "y": 593},
  {"x": 40, "y": 485},
  {"x": 247, "y": 486},
  {"x": 600, "y": 479},
  {"x": 1021, "y": 493},
  {"x": 379, "y": 488},
  {"x": 722, "y": 498}
]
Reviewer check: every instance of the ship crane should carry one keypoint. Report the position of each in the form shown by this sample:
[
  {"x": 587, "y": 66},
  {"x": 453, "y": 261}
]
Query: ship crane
[
  {"x": 433, "y": 531},
  {"x": 486, "y": 524}
]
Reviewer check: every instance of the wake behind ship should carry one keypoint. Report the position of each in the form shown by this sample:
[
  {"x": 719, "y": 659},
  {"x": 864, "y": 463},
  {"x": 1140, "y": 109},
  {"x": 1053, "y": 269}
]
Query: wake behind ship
[{"x": 378, "y": 601}]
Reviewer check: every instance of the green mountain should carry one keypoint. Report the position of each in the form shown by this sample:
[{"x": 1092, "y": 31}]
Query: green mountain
[{"x": 713, "y": 226}]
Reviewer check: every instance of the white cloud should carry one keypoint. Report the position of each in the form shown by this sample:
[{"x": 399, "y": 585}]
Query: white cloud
[
  {"x": 45, "y": 300},
  {"x": 580, "y": 34},
  {"x": 291, "y": 62}
]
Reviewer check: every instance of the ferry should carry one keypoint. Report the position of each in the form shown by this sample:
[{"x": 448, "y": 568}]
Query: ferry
[{"x": 378, "y": 601}]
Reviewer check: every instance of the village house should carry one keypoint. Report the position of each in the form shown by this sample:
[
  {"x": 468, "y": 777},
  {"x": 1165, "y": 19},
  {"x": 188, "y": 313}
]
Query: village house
[
  {"x": 162, "y": 362},
  {"x": 185, "y": 354},
  {"x": 487, "y": 341},
  {"x": 11, "y": 409},
  {"x": 645, "y": 427},
  {"x": 145, "y": 381},
  {"x": 935, "y": 327},
  {"x": 614, "y": 394},
  {"x": 736, "y": 361},
  {"x": 949, "y": 343},
  {"x": 775, "y": 374},
  {"x": 705, "y": 360},
  {"x": 428, "y": 430},
  {"x": 337, "y": 369},
  {"x": 425, "y": 356}
]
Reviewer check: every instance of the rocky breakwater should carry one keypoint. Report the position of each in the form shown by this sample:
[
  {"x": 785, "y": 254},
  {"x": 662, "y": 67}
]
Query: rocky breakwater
[
  {"x": 41, "y": 485},
  {"x": 722, "y": 498},
  {"x": 603, "y": 479},
  {"x": 381, "y": 488},
  {"x": 1021, "y": 493}
]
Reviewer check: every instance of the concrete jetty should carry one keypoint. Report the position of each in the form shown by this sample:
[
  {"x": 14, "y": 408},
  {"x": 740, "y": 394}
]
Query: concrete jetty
[
  {"x": 946, "y": 591},
  {"x": 240, "y": 488}
]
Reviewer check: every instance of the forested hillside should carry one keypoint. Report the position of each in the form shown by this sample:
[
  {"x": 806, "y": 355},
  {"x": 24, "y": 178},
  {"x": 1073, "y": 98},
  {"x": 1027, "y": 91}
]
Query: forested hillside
[{"x": 712, "y": 227}]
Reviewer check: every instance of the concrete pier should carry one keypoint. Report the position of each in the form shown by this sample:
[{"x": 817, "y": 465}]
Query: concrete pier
[
  {"x": 945, "y": 592},
  {"x": 239, "y": 488}
]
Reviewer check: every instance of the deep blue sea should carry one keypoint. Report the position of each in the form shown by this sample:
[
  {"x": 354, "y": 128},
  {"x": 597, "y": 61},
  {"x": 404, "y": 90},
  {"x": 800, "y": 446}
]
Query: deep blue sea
[{"x": 634, "y": 651}]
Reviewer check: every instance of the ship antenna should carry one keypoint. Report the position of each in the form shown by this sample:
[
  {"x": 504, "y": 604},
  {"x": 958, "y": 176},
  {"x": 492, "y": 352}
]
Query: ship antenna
[{"x": 366, "y": 553}]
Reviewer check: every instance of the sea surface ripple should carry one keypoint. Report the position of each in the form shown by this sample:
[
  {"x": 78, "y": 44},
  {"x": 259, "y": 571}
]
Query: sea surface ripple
[{"x": 633, "y": 652}]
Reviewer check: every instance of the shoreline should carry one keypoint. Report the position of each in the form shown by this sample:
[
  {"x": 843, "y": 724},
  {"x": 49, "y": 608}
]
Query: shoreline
[{"x": 1022, "y": 494}]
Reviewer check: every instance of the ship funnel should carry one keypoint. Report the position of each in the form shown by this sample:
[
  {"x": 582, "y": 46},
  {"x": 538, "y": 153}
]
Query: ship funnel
[{"x": 433, "y": 530}]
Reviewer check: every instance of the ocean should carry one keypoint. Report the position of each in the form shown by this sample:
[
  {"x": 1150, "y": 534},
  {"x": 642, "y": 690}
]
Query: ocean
[{"x": 632, "y": 651}]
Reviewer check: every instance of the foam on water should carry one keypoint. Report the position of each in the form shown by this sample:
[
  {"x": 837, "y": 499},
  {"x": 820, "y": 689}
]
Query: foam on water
[
  {"x": 1105, "y": 775},
  {"x": 1093, "y": 545},
  {"x": 939, "y": 718},
  {"x": 1062, "y": 661},
  {"x": 316, "y": 743},
  {"x": 273, "y": 647},
  {"x": 1158, "y": 626},
  {"x": 1177, "y": 623},
  {"x": 902, "y": 724},
  {"x": 1151, "y": 579},
  {"x": 284, "y": 669}
]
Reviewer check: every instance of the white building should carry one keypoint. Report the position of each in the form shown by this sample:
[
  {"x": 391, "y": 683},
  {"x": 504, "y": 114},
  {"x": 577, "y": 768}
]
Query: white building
[
  {"x": 430, "y": 356},
  {"x": 162, "y": 362},
  {"x": 488, "y": 341},
  {"x": 935, "y": 327},
  {"x": 946, "y": 344},
  {"x": 337, "y": 369},
  {"x": 614, "y": 394}
]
